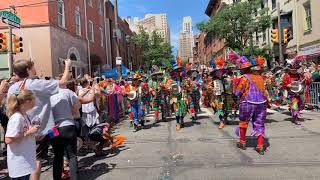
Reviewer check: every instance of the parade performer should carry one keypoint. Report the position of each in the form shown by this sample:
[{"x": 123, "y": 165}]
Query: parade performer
[
  {"x": 155, "y": 90},
  {"x": 219, "y": 101},
  {"x": 253, "y": 101},
  {"x": 176, "y": 96},
  {"x": 193, "y": 94},
  {"x": 134, "y": 96},
  {"x": 294, "y": 82},
  {"x": 207, "y": 82}
]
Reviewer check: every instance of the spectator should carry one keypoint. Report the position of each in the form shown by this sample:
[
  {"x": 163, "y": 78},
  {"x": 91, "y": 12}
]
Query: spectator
[
  {"x": 63, "y": 105},
  {"x": 21, "y": 153},
  {"x": 4, "y": 85},
  {"x": 42, "y": 90},
  {"x": 90, "y": 116}
]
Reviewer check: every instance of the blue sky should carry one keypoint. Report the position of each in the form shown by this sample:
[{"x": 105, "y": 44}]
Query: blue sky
[{"x": 175, "y": 10}]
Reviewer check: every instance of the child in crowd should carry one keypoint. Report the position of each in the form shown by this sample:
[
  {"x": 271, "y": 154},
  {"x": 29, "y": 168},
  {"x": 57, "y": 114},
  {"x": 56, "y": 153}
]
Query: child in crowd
[{"x": 21, "y": 152}]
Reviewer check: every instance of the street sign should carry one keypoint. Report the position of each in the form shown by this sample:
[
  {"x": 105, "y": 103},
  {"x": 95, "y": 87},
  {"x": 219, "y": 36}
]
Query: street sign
[
  {"x": 118, "y": 60},
  {"x": 6, "y": 21},
  {"x": 10, "y": 18}
]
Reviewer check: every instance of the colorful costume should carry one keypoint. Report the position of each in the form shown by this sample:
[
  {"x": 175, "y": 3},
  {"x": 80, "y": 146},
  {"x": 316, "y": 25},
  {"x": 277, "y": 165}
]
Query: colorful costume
[
  {"x": 253, "y": 102},
  {"x": 136, "y": 104},
  {"x": 193, "y": 95},
  {"x": 176, "y": 97},
  {"x": 222, "y": 97},
  {"x": 296, "y": 100}
]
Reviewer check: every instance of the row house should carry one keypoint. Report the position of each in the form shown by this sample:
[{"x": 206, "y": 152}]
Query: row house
[{"x": 81, "y": 30}]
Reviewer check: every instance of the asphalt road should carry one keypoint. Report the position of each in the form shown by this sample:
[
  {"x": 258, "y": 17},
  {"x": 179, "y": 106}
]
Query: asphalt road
[{"x": 204, "y": 152}]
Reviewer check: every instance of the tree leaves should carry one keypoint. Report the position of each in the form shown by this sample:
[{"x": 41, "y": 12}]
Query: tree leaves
[
  {"x": 235, "y": 23},
  {"x": 154, "y": 49}
]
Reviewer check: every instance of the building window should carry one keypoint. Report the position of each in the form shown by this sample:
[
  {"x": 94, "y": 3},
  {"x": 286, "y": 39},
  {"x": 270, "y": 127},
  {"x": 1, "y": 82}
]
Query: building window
[
  {"x": 308, "y": 20},
  {"x": 78, "y": 21},
  {"x": 90, "y": 3},
  {"x": 264, "y": 37},
  {"x": 101, "y": 37},
  {"x": 90, "y": 31},
  {"x": 274, "y": 4},
  {"x": 99, "y": 7},
  {"x": 61, "y": 17}
]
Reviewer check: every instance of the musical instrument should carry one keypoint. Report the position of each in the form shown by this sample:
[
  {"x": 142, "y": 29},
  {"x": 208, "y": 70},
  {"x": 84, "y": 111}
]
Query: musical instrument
[
  {"x": 297, "y": 87},
  {"x": 132, "y": 95}
]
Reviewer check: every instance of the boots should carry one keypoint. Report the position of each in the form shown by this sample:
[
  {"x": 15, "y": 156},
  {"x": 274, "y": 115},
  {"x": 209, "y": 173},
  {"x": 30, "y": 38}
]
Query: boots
[
  {"x": 221, "y": 126},
  {"x": 178, "y": 127}
]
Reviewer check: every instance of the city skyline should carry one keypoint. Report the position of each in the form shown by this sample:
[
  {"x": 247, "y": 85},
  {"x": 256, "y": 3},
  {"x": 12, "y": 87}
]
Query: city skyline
[{"x": 138, "y": 8}]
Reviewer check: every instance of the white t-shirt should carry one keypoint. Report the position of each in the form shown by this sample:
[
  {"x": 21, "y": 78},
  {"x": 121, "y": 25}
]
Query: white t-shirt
[
  {"x": 87, "y": 108},
  {"x": 21, "y": 156},
  {"x": 43, "y": 90}
]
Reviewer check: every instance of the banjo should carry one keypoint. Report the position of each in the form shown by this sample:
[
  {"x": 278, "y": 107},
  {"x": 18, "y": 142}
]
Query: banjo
[{"x": 297, "y": 87}]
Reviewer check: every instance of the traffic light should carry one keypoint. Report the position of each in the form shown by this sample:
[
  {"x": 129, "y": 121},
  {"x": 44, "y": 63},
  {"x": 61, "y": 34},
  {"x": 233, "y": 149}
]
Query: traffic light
[
  {"x": 17, "y": 44},
  {"x": 275, "y": 36},
  {"x": 3, "y": 42},
  {"x": 286, "y": 36}
]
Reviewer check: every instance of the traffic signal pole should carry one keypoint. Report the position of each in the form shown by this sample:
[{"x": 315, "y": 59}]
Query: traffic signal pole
[
  {"x": 10, "y": 52},
  {"x": 280, "y": 35}
]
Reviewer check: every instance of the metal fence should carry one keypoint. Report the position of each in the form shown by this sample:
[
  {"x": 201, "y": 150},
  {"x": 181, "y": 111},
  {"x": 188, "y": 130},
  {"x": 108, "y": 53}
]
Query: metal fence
[{"x": 314, "y": 95}]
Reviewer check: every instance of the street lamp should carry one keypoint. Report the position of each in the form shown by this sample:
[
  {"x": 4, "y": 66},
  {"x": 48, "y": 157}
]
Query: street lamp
[{"x": 128, "y": 40}]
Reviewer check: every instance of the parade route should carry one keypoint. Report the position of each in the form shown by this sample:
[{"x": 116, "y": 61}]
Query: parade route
[{"x": 202, "y": 151}]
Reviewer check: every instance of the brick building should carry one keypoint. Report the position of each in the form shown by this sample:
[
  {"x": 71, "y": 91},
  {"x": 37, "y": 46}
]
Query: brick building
[{"x": 81, "y": 30}]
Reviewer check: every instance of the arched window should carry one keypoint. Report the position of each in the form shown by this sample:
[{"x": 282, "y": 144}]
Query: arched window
[{"x": 61, "y": 15}]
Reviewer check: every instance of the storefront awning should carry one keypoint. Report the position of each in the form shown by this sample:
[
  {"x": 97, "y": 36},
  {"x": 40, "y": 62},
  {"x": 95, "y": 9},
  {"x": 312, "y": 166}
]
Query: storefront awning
[{"x": 310, "y": 51}]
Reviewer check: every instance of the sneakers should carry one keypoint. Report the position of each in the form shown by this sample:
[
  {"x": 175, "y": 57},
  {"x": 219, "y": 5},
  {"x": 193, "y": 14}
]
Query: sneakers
[
  {"x": 260, "y": 150},
  {"x": 241, "y": 146},
  {"x": 221, "y": 126},
  {"x": 136, "y": 128}
]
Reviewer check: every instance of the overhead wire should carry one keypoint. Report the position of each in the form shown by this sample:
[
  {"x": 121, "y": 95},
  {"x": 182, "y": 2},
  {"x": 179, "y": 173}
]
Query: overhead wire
[{"x": 27, "y": 5}]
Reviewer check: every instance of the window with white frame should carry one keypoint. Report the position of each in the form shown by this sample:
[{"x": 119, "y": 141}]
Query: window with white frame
[
  {"x": 61, "y": 17},
  {"x": 89, "y": 3},
  {"x": 90, "y": 31},
  {"x": 101, "y": 37},
  {"x": 99, "y": 7},
  {"x": 308, "y": 20},
  {"x": 78, "y": 21}
]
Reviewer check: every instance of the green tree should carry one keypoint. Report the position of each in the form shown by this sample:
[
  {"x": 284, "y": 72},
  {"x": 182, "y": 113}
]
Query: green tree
[
  {"x": 236, "y": 23},
  {"x": 155, "y": 50}
]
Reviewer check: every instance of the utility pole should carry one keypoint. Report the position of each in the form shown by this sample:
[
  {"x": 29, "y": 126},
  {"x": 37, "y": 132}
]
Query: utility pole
[
  {"x": 117, "y": 38},
  {"x": 280, "y": 35}
]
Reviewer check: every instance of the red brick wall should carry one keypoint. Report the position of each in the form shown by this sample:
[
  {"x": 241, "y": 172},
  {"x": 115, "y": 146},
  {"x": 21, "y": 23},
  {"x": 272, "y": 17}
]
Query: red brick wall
[{"x": 98, "y": 22}]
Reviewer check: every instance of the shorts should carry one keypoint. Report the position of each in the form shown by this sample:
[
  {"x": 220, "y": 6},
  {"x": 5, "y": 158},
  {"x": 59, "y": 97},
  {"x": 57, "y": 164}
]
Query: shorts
[{"x": 42, "y": 148}]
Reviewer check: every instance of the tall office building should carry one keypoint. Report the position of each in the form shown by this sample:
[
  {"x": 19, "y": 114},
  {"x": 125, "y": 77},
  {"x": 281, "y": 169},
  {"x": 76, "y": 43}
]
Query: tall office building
[
  {"x": 186, "y": 41},
  {"x": 184, "y": 47},
  {"x": 153, "y": 22}
]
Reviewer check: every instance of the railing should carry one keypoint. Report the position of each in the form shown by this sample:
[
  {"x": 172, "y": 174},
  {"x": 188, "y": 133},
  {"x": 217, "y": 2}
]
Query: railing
[{"x": 314, "y": 95}]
